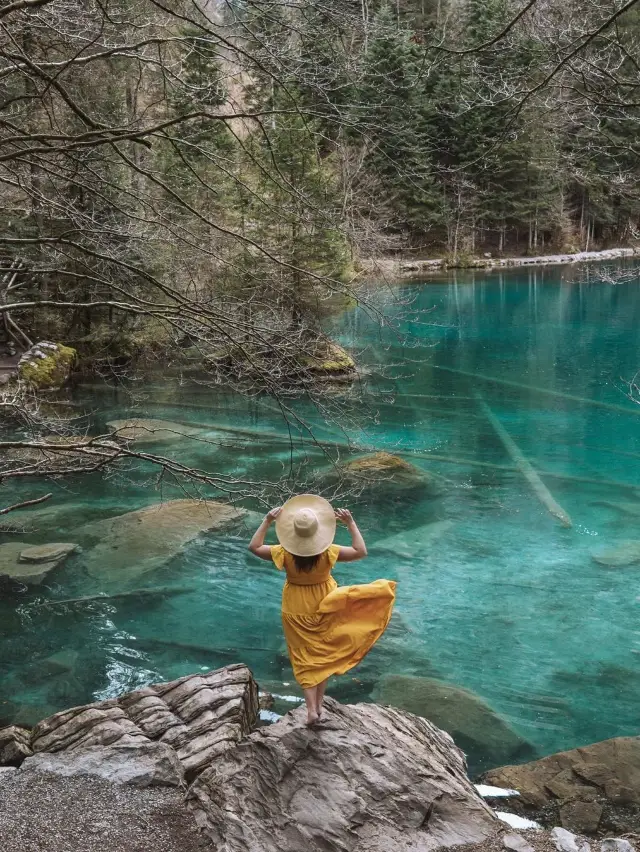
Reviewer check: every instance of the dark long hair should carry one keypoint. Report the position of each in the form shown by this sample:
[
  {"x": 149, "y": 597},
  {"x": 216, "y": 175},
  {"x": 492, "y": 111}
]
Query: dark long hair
[{"x": 306, "y": 563}]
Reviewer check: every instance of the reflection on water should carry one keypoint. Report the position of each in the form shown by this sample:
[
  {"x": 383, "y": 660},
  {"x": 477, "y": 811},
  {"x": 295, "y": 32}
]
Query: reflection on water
[{"x": 495, "y": 595}]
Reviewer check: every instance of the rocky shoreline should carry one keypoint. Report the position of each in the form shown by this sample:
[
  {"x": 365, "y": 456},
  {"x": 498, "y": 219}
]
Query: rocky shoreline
[
  {"x": 407, "y": 268},
  {"x": 191, "y": 753}
]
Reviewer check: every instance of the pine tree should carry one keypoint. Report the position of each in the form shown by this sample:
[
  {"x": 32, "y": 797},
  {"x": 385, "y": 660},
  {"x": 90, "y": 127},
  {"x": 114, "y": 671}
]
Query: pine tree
[
  {"x": 391, "y": 99},
  {"x": 199, "y": 161}
]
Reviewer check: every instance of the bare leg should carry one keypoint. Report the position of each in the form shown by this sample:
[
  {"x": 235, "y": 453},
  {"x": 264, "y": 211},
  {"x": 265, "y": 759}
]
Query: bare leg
[
  {"x": 311, "y": 701},
  {"x": 321, "y": 687}
]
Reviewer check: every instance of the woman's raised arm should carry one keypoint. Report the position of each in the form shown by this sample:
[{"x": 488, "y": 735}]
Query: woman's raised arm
[
  {"x": 257, "y": 545},
  {"x": 358, "y": 549}
]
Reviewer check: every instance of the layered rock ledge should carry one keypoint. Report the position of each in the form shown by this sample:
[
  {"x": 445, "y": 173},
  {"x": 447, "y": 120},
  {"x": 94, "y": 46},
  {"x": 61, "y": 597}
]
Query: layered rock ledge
[{"x": 198, "y": 717}]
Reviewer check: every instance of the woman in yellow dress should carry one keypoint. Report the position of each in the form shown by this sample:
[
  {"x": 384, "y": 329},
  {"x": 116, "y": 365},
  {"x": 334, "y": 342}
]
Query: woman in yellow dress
[{"x": 328, "y": 628}]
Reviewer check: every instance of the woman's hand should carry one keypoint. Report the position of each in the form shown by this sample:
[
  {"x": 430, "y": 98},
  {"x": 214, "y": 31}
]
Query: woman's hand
[
  {"x": 358, "y": 549},
  {"x": 345, "y": 516},
  {"x": 257, "y": 545}
]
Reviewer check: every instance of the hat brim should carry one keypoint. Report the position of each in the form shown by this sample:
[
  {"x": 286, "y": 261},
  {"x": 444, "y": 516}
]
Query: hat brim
[{"x": 306, "y": 545}]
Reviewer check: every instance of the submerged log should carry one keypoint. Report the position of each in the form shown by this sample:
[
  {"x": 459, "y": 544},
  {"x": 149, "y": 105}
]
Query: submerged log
[
  {"x": 610, "y": 406},
  {"x": 509, "y": 468},
  {"x": 267, "y": 436},
  {"x": 524, "y": 466},
  {"x": 152, "y": 642},
  {"x": 135, "y": 593}
]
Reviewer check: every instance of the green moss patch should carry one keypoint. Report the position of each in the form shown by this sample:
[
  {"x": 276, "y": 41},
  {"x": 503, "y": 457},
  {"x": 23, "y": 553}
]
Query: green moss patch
[{"x": 46, "y": 365}]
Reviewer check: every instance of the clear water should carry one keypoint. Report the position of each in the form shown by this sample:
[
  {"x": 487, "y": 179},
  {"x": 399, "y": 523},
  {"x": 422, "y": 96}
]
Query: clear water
[{"x": 500, "y": 599}]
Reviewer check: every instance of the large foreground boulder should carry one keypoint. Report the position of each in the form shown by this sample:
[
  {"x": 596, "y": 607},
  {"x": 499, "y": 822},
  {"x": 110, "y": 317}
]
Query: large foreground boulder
[
  {"x": 472, "y": 723},
  {"x": 130, "y": 545},
  {"x": 368, "y": 778},
  {"x": 588, "y": 789},
  {"x": 199, "y": 716}
]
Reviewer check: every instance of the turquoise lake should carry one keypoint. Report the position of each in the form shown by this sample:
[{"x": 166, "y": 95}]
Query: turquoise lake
[{"x": 494, "y": 594}]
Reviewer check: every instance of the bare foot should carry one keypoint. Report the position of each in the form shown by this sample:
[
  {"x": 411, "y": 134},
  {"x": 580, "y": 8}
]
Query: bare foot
[{"x": 312, "y": 718}]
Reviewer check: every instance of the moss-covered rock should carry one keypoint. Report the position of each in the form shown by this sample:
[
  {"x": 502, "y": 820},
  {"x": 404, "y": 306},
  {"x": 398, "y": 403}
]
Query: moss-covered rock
[
  {"x": 46, "y": 365},
  {"x": 383, "y": 469},
  {"x": 329, "y": 360}
]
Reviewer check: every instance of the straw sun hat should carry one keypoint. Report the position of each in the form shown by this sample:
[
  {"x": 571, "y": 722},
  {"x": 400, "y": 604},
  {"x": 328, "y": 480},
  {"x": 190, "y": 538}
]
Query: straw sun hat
[{"x": 306, "y": 525}]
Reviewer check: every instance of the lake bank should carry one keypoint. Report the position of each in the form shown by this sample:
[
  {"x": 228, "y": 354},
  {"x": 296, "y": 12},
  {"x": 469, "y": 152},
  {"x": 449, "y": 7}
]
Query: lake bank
[{"x": 405, "y": 268}]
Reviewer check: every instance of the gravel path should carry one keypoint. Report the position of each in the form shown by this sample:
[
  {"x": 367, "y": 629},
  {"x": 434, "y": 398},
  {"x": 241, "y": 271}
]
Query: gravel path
[{"x": 43, "y": 813}]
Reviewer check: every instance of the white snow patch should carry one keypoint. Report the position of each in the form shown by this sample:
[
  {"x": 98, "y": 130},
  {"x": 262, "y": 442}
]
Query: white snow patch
[
  {"x": 486, "y": 790},
  {"x": 269, "y": 716},
  {"x": 292, "y": 699},
  {"x": 516, "y": 821}
]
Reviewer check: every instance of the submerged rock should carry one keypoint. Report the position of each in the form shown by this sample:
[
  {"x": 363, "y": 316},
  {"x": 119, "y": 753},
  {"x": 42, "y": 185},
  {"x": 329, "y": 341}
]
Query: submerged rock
[
  {"x": 626, "y": 552},
  {"x": 46, "y": 365},
  {"x": 137, "y": 542},
  {"x": 62, "y": 662},
  {"x": 31, "y": 564},
  {"x": 47, "y": 552},
  {"x": 142, "y": 430},
  {"x": 474, "y": 726},
  {"x": 412, "y": 543},
  {"x": 56, "y": 518},
  {"x": 369, "y": 778},
  {"x": 603, "y": 778}
]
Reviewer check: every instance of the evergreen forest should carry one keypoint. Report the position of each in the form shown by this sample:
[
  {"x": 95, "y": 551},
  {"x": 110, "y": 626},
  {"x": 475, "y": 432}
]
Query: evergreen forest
[{"x": 212, "y": 175}]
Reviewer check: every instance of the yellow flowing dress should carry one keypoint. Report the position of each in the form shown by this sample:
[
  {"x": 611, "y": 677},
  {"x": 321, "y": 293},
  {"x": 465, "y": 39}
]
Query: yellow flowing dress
[{"x": 329, "y": 628}]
